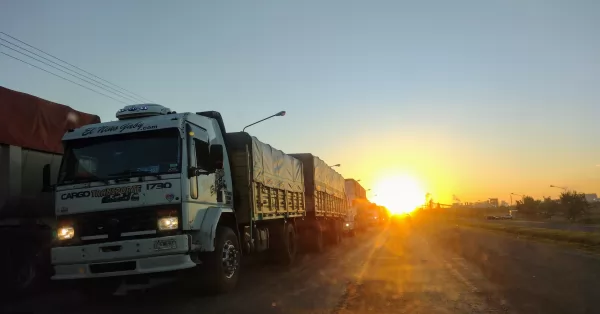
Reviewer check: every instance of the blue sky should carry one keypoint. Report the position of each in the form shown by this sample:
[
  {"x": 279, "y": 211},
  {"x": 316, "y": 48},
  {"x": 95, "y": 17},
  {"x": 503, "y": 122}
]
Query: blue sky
[{"x": 474, "y": 98}]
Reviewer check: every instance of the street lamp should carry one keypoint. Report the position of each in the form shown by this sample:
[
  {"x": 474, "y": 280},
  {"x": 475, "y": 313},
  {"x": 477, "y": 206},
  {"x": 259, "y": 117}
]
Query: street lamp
[
  {"x": 336, "y": 165},
  {"x": 279, "y": 114},
  {"x": 558, "y": 187},
  {"x": 511, "y": 194}
]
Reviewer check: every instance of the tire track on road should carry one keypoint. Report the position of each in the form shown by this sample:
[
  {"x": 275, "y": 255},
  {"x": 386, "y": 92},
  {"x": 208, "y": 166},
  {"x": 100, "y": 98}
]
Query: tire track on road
[{"x": 352, "y": 287}]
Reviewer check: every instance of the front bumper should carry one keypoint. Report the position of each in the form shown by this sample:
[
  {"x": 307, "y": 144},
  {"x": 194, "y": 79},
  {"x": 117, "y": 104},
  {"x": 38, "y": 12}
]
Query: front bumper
[{"x": 121, "y": 258}]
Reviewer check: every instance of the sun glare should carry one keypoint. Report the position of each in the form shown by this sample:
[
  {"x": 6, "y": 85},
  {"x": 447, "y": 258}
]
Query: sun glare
[{"x": 400, "y": 194}]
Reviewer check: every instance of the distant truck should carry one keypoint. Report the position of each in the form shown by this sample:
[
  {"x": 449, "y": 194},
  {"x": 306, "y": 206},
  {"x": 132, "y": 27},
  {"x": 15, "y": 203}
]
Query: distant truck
[
  {"x": 158, "y": 194},
  {"x": 356, "y": 195},
  {"x": 368, "y": 215},
  {"x": 31, "y": 129},
  {"x": 326, "y": 204}
]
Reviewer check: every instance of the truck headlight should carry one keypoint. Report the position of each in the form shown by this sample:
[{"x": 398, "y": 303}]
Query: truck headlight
[
  {"x": 168, "y": 223},
  {"x": 65, "y": 233}
]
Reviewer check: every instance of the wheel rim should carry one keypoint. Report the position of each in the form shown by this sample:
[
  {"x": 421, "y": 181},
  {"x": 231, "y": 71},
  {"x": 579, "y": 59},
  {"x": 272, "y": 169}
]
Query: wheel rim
[
  {"x": 25, "y": 275},
  {"x": 229, "y": 259}
]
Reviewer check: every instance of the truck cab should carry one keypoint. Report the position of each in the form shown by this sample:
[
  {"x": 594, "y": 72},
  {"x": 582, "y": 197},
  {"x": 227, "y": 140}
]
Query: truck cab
[{"x": 150, "y": 193}]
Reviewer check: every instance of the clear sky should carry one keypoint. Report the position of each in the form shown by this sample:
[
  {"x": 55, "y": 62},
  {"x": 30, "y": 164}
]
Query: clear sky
[{"x": 473, "y": 98}]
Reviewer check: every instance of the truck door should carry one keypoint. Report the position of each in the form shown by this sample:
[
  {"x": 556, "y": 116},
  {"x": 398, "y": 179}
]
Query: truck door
[{"x": 201, "y": 186}]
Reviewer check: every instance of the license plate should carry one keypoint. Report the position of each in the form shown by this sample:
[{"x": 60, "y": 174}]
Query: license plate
[{"x": 160, "y": 245}]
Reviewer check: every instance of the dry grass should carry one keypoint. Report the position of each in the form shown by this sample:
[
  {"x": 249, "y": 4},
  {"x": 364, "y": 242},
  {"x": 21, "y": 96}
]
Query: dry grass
[{"x": 589, "y": 239}]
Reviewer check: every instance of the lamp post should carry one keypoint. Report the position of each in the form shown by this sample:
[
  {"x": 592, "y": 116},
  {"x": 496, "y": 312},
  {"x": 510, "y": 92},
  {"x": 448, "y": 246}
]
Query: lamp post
[
  {"x": 336, "y": 165},
  {"x": 279, "y": 114},
  {"x": 558, "y": 187},
  {"x": 511, "y": 194}
]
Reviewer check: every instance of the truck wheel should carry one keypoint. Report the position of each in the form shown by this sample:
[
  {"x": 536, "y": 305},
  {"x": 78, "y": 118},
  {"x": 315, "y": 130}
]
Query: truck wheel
[
  {"x": 337, "y": 233},
  {"x": 222, "y": 267},
  {"x": 23, "y": 273},
  {"x": 318, "y": 245},
  {"x": 290, "y": 248},
  {"x": 26, "y": 275}
]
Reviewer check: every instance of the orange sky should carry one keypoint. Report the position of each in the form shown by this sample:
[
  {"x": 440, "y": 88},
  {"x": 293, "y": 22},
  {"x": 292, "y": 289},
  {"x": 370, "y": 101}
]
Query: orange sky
[{"x": 467, "y": 173}]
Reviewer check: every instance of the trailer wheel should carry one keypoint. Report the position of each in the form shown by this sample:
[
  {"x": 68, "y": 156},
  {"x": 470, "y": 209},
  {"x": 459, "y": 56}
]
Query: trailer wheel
[
  {"x": 318, "y": 245},
  {"x": 336, "y": 233},
  {"x": 290, "y": 247},
  {"x": 22, "y": 272},
  {"x": 26, "y": 275},
  {"x": 222, "y": 267}
]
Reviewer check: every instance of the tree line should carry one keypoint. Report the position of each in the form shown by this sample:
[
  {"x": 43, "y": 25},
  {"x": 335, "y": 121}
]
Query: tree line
[{"x": 571, "y": 204}]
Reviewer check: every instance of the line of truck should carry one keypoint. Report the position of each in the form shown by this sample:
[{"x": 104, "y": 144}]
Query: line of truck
[{"x": 154, "y": 195}]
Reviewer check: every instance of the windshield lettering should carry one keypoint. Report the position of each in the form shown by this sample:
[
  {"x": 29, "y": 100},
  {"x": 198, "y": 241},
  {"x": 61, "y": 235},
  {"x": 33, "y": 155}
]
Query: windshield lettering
[{"x": 138, "y": 126}]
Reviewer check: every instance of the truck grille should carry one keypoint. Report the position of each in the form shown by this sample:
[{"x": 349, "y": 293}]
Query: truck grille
[{"x": 115, "y": 225}]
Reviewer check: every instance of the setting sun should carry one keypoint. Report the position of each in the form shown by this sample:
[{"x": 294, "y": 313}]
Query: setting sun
[{"x": 401, "y": 194}]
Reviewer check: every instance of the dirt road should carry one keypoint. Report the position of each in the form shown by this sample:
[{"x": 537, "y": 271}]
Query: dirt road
[{"x": 418, "y": 268}]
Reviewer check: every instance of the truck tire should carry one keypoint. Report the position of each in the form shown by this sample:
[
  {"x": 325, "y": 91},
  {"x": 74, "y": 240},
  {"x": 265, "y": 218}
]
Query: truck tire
[
  {"x": 23, "y": 273},
  {"x": 222, "y": 267},
  {"x": 26, "y": 276},
  {"x": 317, "y": 237},
  {"x": 289, "y": 250},
  {"x": 336, "y": 233}
]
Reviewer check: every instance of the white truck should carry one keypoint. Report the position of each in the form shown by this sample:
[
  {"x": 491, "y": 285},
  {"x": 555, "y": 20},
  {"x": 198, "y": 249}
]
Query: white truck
[{"x": 159, "y": 193}]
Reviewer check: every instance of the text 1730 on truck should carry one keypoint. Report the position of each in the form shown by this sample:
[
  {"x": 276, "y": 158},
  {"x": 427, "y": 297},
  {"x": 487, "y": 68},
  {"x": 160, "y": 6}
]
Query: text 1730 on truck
[{"x": 157, "y": 193}]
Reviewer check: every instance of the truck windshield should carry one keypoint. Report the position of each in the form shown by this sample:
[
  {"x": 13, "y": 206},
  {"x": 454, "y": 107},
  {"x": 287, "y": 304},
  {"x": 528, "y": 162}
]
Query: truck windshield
[{"x": 123, "y": 155}]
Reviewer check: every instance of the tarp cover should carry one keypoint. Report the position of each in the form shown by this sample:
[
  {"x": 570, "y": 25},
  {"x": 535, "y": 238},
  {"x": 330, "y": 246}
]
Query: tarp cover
[
  {"x": 35, "y": 123},
  {"x": 275, "y": 169},
  {"x": 328, "y": 180}
]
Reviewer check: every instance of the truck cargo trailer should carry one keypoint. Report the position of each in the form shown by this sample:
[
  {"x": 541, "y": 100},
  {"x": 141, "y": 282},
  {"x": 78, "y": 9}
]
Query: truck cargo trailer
[
  {"x": 326, "y": 203},
  {"x": 31, "y": 129}
]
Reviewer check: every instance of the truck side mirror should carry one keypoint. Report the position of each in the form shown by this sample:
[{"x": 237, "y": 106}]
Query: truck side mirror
[
  {"x": 216, "y": 156},
  {"x": 46, "y": 185}
]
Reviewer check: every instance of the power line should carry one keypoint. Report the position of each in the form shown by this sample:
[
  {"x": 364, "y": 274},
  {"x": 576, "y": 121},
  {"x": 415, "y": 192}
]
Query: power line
[
  {"x": 40, "y": 61},
  {"x": 66, "y": 79},
  {"x": 74, "y": 66},
  {"x": 79, "y": 76}
]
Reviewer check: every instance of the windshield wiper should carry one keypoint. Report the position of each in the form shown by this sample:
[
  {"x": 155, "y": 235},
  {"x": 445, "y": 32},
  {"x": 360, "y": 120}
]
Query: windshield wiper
[{"x": 133, "y": 173}]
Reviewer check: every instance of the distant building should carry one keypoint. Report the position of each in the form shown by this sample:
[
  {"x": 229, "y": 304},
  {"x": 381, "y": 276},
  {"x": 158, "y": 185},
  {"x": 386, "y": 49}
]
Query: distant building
[
  {"x": 504, "y": 204},
  {"x": 591, "y": 198},
  {"x": 482, "y": 204}
]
